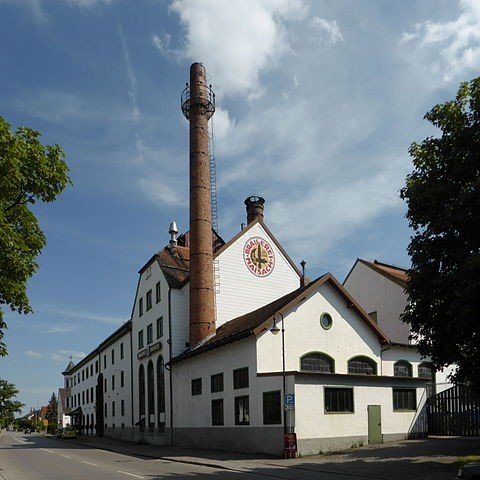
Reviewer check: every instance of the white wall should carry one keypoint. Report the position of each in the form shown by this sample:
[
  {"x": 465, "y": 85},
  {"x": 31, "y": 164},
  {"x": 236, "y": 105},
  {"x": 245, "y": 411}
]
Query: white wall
[
  {"x": 148, "y": 280},
  {"x": 374, "y": 292},
  {"x": 194, "y": 411},
  {"x": 240, "y": 290},
  {"x": 349, "y": 335},
  {"x": 313, "y": 422}
]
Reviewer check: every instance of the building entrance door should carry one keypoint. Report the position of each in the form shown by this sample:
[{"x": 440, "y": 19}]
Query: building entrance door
[{"x": 374, "y": 424}]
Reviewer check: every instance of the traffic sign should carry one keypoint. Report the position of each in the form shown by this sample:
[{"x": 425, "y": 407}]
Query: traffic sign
[{"x": 289, "y": 401}]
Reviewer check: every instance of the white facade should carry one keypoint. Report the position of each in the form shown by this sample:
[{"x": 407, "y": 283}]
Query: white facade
[
  {"x": 98, "y": 388},
  {"x": 171, "y": 392},
  {"x": 378, "y": 294}
]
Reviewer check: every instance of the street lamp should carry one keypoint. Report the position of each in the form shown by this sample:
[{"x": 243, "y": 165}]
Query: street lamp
[{"x": 275, "y": 331}]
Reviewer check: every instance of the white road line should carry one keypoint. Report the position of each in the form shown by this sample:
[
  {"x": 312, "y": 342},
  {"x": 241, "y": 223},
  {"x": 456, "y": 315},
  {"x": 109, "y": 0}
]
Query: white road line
[
  {"x": 45, "y": 450},
  {"x": 89, "y": 463},
  {"x": 66, "y": 456},
  {"x": 131, "y": 474},
  {"x": 21, "y": 440}
]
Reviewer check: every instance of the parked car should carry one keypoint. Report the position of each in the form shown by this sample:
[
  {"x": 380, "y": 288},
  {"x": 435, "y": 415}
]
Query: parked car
[
  {"x": 69, "y": 433},
  {"x": 469, "y": 471},
  {"x": 27, "y": 430}
]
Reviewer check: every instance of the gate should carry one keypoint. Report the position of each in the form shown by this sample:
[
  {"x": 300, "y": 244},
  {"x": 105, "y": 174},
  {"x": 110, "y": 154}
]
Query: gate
[{"x": 455, "y": 412}]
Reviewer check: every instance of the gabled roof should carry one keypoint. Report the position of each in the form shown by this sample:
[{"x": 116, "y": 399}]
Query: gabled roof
[
  {"x": 396, "y": 274},
  {"x": 69, "y": 367},
  {"x": 175, "y": 261},
  {"x": 255, "y": 322}
]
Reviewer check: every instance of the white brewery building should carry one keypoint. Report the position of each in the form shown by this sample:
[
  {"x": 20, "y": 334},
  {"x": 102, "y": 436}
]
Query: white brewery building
[{"x": 230, "y": 346}]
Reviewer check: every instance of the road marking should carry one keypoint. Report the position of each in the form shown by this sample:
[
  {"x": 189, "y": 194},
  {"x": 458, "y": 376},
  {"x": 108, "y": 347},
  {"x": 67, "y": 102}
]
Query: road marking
[
  {"x": 66, "y": 456},
  {"x": 21, "y": 440},
  {"x": 131, "y": 474},
  {"x": 89, "y": 463},
  {"x": 45, "y": 450}
]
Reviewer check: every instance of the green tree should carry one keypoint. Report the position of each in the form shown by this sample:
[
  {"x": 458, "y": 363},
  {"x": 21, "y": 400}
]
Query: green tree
[
  {"x": 443, "y": 198},
  {"x": 8, "y": 404},
  {"x": 29, "y": 171},
  {"x": 51, "y": 414}
]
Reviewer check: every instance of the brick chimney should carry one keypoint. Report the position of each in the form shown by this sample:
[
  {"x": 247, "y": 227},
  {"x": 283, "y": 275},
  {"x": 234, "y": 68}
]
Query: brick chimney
[
  {"x": 198, "y": 105},
  {"x": 255, "y": 206}
]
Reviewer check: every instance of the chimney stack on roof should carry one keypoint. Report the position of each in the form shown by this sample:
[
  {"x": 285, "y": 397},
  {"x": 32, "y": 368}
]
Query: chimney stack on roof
[
  {"x": 198, "y": 105},
  {"x": 255, "y": 207}
]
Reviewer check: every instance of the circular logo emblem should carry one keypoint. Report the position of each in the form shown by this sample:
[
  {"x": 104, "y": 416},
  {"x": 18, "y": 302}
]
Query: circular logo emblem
[{"x": 259, "y": 257}]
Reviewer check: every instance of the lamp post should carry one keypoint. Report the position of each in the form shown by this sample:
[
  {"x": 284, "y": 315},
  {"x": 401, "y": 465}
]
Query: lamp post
[{"x": 275, "y": 331}]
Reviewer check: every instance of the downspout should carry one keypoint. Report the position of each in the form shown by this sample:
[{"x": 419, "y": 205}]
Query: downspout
[
  {"x": 170, "y": 362},
  {"x": 131, "y": 375}
]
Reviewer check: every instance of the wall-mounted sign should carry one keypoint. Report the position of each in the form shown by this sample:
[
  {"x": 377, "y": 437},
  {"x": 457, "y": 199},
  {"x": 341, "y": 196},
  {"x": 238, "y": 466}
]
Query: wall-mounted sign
[{"x": 259, "y": 257}]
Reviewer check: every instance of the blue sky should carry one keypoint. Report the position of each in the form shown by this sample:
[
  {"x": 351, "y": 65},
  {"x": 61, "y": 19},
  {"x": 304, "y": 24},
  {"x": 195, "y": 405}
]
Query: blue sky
[{"x": 317, "y": 104}]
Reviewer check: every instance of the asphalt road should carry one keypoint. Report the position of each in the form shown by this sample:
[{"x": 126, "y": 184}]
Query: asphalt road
[{"x": 34, "y": 457}]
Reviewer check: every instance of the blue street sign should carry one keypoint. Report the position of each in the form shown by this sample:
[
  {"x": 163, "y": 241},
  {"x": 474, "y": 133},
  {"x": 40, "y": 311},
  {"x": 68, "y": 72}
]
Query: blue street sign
[{"x": 289, "y": 401}]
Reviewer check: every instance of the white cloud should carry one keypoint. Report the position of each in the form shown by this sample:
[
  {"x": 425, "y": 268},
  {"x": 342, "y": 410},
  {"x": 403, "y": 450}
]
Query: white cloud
[
  {"x": 159, "y": 192},
  {"x": 237, "y": 41},
  {"x": 34, "y": 6},
  {"x": 327, "y": 28},
  {"x": 451, "y": 48},
  {"x": 60, "y": 329},
  {"x": 33, "y": 354},
  {"x": 88, "y": 3},
  {"x": 162, "y": 44},
  {"x": 72, "y": 313},
  {"x": 64, "y": 355}
]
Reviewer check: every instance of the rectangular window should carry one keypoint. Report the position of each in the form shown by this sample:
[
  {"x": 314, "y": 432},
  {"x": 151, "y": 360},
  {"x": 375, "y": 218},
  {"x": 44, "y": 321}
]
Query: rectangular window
[
  {"x": 86, "y": 372},
  {"x": 149, "y": 300},
  {"x": 338, "y": 400},
  {"x": 242, "y": 411},
  {"x": 87, "y": 392},
  {"x": 140, "y": 307},
  {"x": 113, "y": 382},
  {"x": 105, "y": 384},
  {"x": 404, "y": 399},
  {"x": 159, "y": 327},
  {"x": 83, "y": 397},
  {"x": 105, "y": 413},
  {"x": 140, "y": 339},
  {"x": 158, "y": 293},
  {"x": 91, "y": 370},
  {"x": 113, "y": 409},
  {"x": 122, "y": 409},
  {"x": 122, "y": 379},
  {"x": 217, "y": 412},
  {"x": 122, "y": 353},
  {"x": 197, "y": 386},
  {"x": 83, "y": 375},
  {"x": 96, "y": 366},
  {"x": 149, "y": 333},
  {"x": 104, "y": 361},
  {"x": 68, "y": 402},
  {"x": 272, "y": 408},
  {"x": 216, "y": 383},
  {"x": 91, "y": 395},
  {"x": 240, "y": 378}
]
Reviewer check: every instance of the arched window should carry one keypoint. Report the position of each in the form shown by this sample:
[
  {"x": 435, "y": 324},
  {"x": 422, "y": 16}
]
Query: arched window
[
  {"x": 317, "y": 362},
  {"x": 151, "y": 395},
  {"x": 425, "y": 370},
  {"x": 141, "y": 394},
  {"x": 402, "y": 368},
  {"x": 362, "y": 366},
  {"x": 161, "y": 393}
]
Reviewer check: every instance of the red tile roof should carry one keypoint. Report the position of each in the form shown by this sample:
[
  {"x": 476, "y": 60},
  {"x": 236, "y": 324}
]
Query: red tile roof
[{"x": 395, "y": 274}]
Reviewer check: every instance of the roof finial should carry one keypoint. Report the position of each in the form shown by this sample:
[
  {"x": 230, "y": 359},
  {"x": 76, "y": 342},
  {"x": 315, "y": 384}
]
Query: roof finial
[{"x": 302, "y": 278}]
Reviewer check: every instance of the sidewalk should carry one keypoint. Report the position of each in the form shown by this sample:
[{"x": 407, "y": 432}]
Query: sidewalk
[
  {"x": 434, "y": 458},
  {"x": 234, "y": 461}
]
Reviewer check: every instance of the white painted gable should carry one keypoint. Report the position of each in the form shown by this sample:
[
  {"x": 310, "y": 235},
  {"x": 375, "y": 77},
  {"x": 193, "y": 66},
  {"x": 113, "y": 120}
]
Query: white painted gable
[
  {"x": 348, "y": 336},
  {"x": 242, "y": 289}
]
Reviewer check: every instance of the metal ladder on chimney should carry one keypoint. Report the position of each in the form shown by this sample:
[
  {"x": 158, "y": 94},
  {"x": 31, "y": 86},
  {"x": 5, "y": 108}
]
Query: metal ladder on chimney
[{"x": 214, "y": 203}]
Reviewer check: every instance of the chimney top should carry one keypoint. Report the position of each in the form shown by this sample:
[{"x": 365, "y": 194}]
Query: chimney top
[
  {"x": 255, "y": 206},
  {"x": 173, "y": 230}
]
